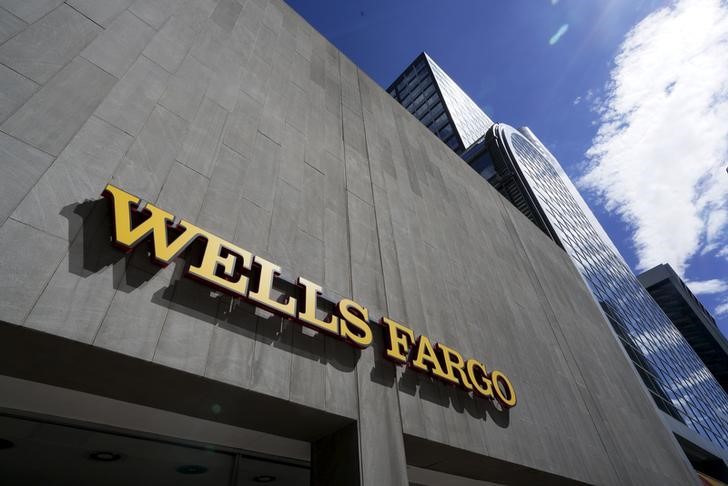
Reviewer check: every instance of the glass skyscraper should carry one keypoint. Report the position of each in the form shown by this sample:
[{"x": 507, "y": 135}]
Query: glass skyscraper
[
  {"x": 526, "y": 173},
  {"x": 440, "y": 104}
]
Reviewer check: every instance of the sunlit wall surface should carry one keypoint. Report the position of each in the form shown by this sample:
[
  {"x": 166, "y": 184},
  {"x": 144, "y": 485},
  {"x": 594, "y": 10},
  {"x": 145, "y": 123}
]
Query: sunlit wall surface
[
  {"x": 433, "y": 98},
  {"x": 676, "y": 377}
]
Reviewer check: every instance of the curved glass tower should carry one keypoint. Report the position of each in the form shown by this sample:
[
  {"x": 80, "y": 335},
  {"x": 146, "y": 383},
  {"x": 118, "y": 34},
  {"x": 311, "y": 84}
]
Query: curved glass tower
[{"x": 677, "y": 379}]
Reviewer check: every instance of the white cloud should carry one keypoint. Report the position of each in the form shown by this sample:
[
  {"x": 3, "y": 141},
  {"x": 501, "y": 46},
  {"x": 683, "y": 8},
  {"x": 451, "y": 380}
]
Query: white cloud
[
  {"x": 714, "y": 230},
  {"x": 712, "y": 286},
  {"x": 658, "y": 159},
  {"x": 721, "y": 309}
]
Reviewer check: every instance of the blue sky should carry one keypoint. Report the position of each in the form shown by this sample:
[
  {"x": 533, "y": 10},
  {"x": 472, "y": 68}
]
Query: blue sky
[{"x": 603, "y": 84}]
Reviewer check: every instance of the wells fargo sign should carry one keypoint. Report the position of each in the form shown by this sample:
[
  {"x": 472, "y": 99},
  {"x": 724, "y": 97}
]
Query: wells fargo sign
[{"x": 238, "y": 272}]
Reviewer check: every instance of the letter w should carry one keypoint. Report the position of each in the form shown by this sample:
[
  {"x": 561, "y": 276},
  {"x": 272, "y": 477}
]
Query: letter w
[{"x": 156, "y": 224}]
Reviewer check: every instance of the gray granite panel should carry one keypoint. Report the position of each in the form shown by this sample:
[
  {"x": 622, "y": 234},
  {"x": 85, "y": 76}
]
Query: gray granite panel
[
  {"x": 254, "y": 78},
  {"x": 223, "y": 194},
  {"x": 265, "y": 43},
  {"x": 283, "y": 229},
  {"x": 242, "y": 38},
  {"x": 333, "y": 134},
  {"x": 185, "y": 339},
  {"x": 340, "y": 385},
  {"x": 337, "y": 267},
  {"x": 296, "y": 107},
  {"x": 259, "y": 187},
  {"x": 119, "y": 45},
  {"x": 16, "y": 91},
  {"x": 186, "y": 88},
  {"x": 232, "y": 346},
  {"x": 252, "y": 227},
  {"x": 226, "y": 14},
  {"x": 311, "y": 217},
  {"x": 154, "y": 12},
  {"x": 148, "y": 161},
  {"x": 241, "y": 126},
  {"x": 390, "y": 263},
  {"x": 381, "y": 445},
  {"x": 54, "y": 114},
  {"x": 304, "y": 33},
  {"x": 358, "y": 180},
  {"x": 203, "y": 138},
  {"x": 78, "y": 174},
  {"x": 9, "y": 25},
  {"x": 225, "y": 81},
  {"x": 170, "y": 45},
  {"x": 349, "y": 76},
  {"x": 102, "y": 12},
  {"x": 334, "y": 170},
  {"x": 354, "y": 131},
  {"x": 21, "y": 167},
  {"x": 27, "y": 261},
  {"x": 308, "y": 372},
  {"x": 300, "y": 68},
  {"x": 43, "y": 48},
  {"x": 332, "y": 89},
  {"x": 366, "y": 268},
  {"x": 133, "y": 321},
  {"x": 251, "y": 16},
  {"x": 292, "y": 157},
  {"x": 272, "y": 356},
  {"x": 275, "y": 107},
  {"x": 273, "y": 17},
  {"x": 183, "y": 192},
  {"x": 317, "y": 74},
  {"x": 76, "y": 299},
  {"x": 283, "y": 54},
  {"x": 314, "y": 136},
  {"x": 30, "y": 10},
  {"x": 309, "y": 252},
  {"x": 133, "y": 98}
]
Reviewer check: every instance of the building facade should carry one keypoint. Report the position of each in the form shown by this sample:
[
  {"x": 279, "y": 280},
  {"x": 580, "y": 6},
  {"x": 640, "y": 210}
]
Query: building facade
[
  {"x": 524, "y": 171},
  {"x": 230, "y": 258}
]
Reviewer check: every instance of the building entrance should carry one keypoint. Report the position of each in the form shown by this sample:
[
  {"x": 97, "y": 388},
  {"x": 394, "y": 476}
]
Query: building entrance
[{"x": 34, "y": 451}]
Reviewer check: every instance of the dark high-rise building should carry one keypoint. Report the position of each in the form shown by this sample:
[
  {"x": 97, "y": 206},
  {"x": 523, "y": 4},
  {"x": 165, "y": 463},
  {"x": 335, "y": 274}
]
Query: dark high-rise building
[
  {"x": 527, "y": 174},
  {"x": 440, "y": 104},
  {"x": 690, "y": 317}
]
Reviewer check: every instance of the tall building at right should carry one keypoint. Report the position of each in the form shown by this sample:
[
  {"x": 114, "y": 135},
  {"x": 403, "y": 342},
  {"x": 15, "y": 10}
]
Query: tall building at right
[
  {"x": 526, "y": 173},
  {"x": 690, "y": 317}
]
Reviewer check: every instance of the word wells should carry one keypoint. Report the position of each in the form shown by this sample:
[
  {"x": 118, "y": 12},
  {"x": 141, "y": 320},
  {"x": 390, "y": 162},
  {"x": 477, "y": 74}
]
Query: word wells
[{"x": 237, "y": 272}]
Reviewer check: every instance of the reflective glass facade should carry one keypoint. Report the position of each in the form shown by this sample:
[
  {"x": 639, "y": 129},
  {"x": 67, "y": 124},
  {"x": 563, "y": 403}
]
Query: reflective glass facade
[
  {"x": 675, "y": 376},
  {"x": 438, "y": 102},
  {"x": 690, "y": 317}
]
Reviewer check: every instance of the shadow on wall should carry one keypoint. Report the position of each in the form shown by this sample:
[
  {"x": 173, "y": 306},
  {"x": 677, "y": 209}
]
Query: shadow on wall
[
  {"x": 434, "y": 391},
  {"x": 91, "y": 251},
  {"x": 449, "y": 396}
]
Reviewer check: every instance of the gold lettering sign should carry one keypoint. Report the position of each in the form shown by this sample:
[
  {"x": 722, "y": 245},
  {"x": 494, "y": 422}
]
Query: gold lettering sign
[{"x": 241, "y": 274}]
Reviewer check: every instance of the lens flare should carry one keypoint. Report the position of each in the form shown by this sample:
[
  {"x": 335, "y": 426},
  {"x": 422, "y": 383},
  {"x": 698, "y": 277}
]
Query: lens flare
[{"x": 559, "y": 33}]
